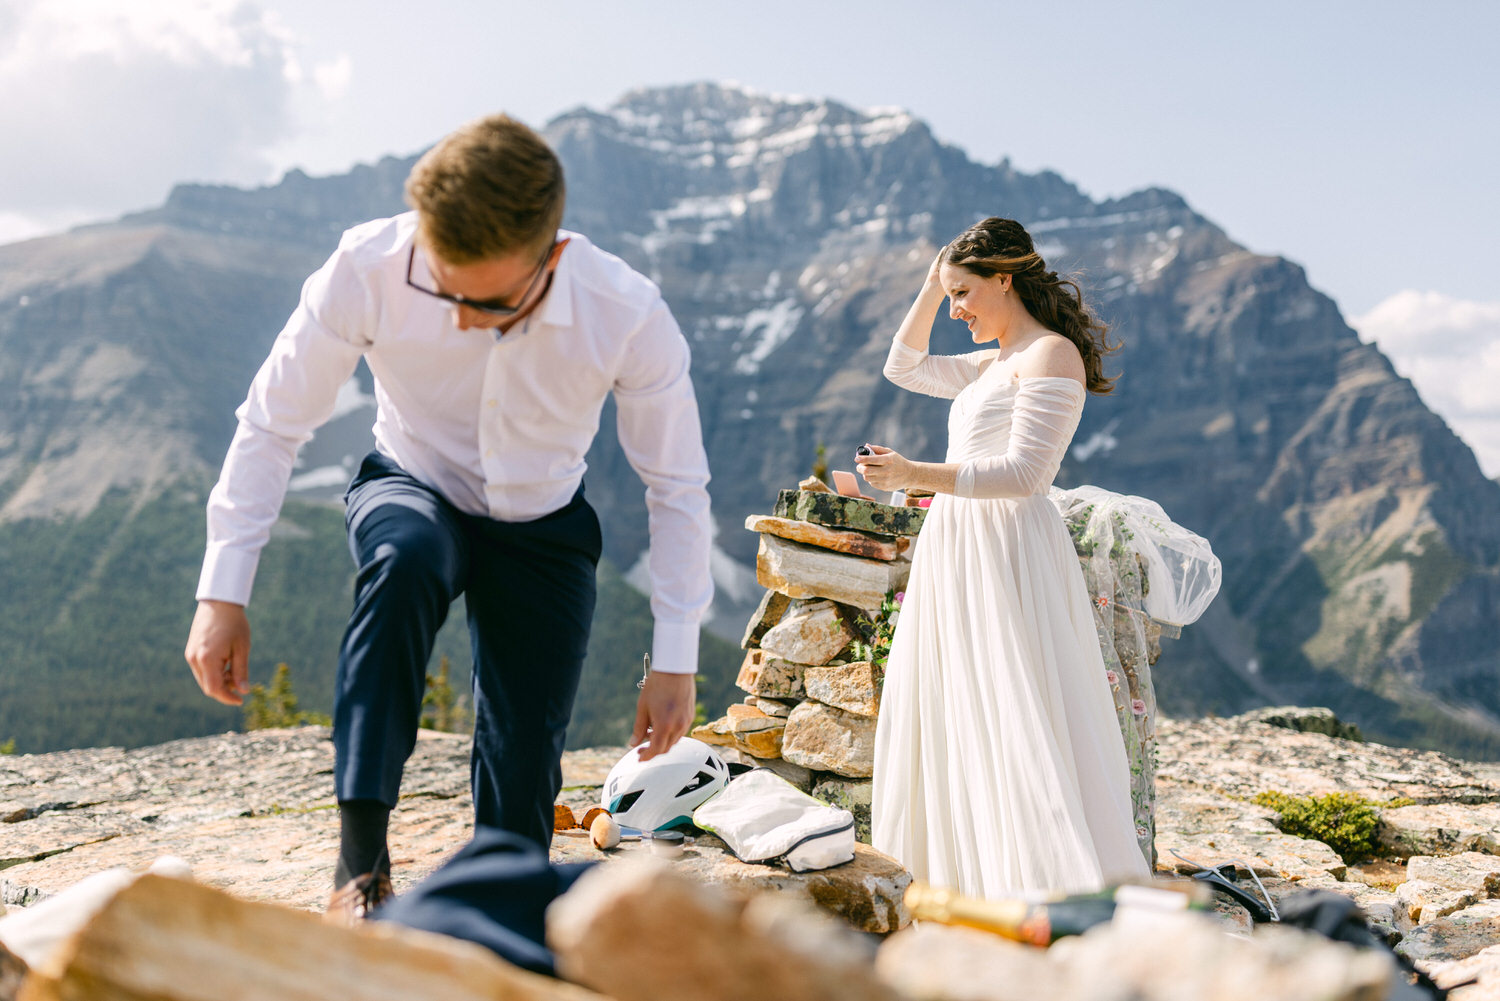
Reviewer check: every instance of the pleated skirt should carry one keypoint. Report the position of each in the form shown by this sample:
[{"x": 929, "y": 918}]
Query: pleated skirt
[{"x": 1000, "y": 770}]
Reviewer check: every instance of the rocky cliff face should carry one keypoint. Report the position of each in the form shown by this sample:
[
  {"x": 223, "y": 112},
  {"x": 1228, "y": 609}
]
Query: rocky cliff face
[{"x": 1360, "y": 540}]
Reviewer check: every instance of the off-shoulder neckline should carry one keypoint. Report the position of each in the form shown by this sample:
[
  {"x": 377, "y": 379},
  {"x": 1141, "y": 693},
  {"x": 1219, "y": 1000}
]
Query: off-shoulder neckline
[{"x": 1015, "y": 381}]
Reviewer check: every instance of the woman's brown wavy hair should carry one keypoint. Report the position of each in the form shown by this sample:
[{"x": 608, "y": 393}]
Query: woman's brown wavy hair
[{"x": 1003, "y": 247}]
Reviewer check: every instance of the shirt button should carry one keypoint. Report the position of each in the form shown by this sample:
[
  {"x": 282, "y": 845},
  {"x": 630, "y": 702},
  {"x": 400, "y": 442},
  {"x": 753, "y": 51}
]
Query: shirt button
[
  {"x": 489, "y": 453},
  {"x": 491, "y": 403}
]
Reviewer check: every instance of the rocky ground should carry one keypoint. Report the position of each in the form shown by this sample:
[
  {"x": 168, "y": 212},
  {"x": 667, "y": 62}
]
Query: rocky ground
[{"x": 253, "y": 814}]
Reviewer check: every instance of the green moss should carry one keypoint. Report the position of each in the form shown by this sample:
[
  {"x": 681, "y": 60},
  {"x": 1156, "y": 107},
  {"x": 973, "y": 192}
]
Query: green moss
[
  {"x": 1344, "y": 822},
  {"x": 277, "y": 810}
]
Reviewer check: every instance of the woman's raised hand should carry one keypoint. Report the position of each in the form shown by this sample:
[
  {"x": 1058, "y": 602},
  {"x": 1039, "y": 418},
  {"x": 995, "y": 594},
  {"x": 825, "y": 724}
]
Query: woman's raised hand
[
  {"x": 884, "y": 468},
  {"x": 933, "y": 279}
]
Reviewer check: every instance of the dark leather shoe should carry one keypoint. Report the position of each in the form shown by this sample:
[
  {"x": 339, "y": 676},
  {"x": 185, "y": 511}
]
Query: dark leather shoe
[{"x": 353, "y": 902}]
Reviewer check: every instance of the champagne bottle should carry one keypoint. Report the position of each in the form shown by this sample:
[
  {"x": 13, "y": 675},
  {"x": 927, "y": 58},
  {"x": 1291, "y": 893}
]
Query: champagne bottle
[{"x": 1042, "y": 922}]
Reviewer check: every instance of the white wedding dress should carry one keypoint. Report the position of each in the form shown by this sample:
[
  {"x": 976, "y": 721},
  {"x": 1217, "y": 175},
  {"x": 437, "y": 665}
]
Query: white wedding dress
[{"x": 999, "y": 765}]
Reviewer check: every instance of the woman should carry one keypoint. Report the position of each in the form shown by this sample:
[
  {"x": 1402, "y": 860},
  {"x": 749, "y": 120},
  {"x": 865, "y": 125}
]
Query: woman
[{"x": 999, "y": 765}]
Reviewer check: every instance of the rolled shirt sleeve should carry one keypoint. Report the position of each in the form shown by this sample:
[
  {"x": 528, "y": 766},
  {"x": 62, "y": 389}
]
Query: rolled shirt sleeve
[
  {"x": 293, "y": 394},
  {"x": 659, "y": 430}
]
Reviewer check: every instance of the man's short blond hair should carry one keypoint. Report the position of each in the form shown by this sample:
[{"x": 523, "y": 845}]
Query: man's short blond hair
[{"x": 490, "y": 188}]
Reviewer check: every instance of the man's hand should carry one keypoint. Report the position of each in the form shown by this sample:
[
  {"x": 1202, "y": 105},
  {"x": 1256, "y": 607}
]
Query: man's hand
[
  {"x": 218, "y": 651},
  {"x": 664, "y": 712}
]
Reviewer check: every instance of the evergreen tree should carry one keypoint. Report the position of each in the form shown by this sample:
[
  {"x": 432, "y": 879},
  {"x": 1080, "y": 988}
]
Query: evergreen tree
[
  {"x": 443, "y": 708},
  {"x": 820, "y": 464},
  {"x": 273, "y": 707}
]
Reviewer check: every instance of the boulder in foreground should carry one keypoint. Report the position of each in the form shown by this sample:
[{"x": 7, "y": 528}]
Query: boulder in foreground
[
  {"x": 866, "y": 893},
  {"x": 645, "y": 931},
  {"x": 167, "y": 939}
]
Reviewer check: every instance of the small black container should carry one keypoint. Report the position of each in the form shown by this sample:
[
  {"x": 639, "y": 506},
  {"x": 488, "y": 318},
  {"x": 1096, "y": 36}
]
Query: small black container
[{"x": 667, "y": 844}]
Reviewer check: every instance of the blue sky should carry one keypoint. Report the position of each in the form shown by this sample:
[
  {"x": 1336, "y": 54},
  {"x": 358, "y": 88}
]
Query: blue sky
[{"x": 1357, "y": 139}]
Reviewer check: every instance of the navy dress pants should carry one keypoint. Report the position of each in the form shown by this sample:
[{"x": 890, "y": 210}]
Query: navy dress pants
[
  {"x": 529, "y": 590},
  {"x": 494, "y": 892}
]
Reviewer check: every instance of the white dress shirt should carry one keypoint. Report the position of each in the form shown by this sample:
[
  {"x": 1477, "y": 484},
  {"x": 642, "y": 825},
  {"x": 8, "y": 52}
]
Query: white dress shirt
[{"x": 497, "y": 425}]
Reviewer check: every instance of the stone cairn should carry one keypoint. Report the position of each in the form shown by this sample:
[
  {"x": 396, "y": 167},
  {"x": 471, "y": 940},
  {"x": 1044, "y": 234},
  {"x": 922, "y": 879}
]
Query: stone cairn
[{"x": 828, "y": 561}]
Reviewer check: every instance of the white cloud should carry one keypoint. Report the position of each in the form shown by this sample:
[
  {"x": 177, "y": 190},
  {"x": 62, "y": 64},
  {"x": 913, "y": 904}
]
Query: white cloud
[
  {"x": 110, "y": 102},
  {"x": 333, "y": 77},
  {"x": 18, "y": 226},
  {"x": 1450, "y": 349}
]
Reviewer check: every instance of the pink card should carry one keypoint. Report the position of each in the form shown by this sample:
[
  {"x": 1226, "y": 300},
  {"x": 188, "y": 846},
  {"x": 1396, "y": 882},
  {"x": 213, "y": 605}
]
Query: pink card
[{"x": 847, "y": 485}]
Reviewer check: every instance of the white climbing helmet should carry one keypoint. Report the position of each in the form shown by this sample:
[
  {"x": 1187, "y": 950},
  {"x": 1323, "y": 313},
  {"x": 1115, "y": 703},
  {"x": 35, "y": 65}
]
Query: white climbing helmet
[{"x": 663, "y": 792}]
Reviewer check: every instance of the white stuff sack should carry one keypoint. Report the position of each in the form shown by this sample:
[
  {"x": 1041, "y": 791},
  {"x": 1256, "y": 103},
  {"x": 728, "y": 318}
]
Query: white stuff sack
[{"x": 764, "y": 818}]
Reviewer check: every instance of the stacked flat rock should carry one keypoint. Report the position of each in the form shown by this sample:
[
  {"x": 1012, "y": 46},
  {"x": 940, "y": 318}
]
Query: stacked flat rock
[{"x": 827, "y": 561}]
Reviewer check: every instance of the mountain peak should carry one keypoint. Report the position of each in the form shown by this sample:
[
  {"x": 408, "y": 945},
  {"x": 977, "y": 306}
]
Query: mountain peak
[{"x": 727, "y": 114}]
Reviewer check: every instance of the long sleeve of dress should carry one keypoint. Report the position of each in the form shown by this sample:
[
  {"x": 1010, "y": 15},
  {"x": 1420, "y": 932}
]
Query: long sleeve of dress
[
  {"x": 1043, "y": 418},
  {"x": 933, "y": 375}
]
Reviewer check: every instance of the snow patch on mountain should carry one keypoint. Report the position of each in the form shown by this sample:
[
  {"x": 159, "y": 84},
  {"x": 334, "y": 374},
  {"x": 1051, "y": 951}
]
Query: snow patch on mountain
[
  {"x": 1101, "y": 442},
  {"x": 757, "y": 129},
  {"x": 769, "y": 328}
]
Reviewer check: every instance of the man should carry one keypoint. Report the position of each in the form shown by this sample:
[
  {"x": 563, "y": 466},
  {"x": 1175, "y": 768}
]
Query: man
[{"x": 494, "y": 339}]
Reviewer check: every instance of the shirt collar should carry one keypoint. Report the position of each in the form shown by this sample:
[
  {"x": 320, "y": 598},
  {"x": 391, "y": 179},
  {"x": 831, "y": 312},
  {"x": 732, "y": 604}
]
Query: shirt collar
[{"x": 557, "y": 308}]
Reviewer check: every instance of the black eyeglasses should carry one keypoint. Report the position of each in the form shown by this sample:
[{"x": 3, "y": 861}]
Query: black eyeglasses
[{"x": 487, "y": 306}]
